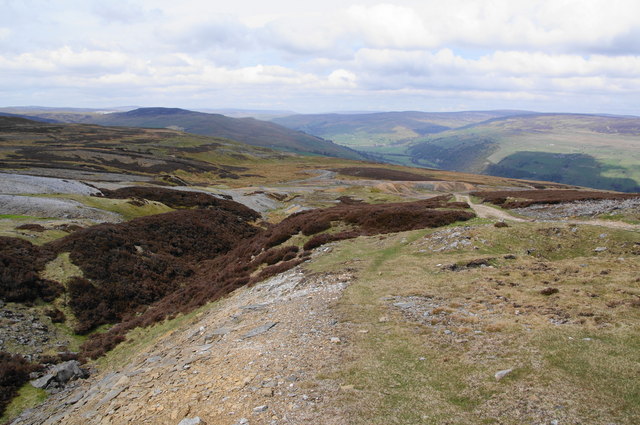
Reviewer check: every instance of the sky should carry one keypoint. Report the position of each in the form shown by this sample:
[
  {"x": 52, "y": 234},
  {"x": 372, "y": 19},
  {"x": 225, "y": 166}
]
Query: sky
[{"x": 321, "y": 56}]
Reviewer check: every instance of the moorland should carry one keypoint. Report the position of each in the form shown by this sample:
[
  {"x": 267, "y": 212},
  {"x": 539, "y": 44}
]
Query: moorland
[{"x": 198, "y": 277}]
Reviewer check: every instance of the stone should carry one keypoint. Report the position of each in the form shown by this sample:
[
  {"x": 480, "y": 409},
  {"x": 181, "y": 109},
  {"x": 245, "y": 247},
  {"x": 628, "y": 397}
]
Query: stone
[
  {"x": 600, "y": 249},
  {"x": 259, "y": 330},
  {"x": 192, "y": 421},
  {"x": 216, "y": 333},
  {"x": 259, "y": 409},
  {"x": 501, "y": 374},
  {"x": 42, "y": 382},
  {"x": 60, "y": 374},
  {"x": 74, "y": 398},
  {"x": 65, "y": 372},
  {"x": 266, "y": 392},
  {"x": 335, "y": 340}
]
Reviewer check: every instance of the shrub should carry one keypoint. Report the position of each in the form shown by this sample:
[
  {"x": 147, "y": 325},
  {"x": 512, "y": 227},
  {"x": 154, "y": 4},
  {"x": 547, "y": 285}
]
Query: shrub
[
  {"x": 31, "y": 226},
  {"x": 219, "y": 272},
  {"x": 182, "y": 199},
  {"x": 14, "y": 373},
  {"x": 55, "y": 315},
  {"x": 316, "y": 227},
  {"x": 20, "y": 262},
  {"x": 525, "y": 198}
]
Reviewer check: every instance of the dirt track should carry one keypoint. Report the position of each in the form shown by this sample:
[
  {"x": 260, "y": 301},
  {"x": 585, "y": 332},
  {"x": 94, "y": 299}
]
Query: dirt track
[{"x": 486, "y": 211}]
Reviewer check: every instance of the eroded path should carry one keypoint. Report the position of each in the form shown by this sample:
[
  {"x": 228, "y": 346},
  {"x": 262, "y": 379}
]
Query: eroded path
[
  {"x": 485, "y": 211},
  {"x": 253, "y": 358}
]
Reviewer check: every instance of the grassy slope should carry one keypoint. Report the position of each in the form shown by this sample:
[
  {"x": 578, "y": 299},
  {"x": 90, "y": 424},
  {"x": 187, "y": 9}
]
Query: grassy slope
[
  {"x": 438, "y": 365},
  {"x": 608, "y": 148}
]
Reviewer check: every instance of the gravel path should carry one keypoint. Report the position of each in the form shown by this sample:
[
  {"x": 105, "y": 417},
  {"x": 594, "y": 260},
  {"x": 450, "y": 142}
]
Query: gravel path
[{"x": 485, "y": 211}]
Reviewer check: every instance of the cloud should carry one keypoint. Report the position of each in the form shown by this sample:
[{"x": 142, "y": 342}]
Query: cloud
[{"x": 266, "y": 52}]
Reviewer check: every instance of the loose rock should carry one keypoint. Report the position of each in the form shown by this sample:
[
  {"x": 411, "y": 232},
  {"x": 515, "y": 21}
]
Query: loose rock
[{"x": 501, "y": 374}]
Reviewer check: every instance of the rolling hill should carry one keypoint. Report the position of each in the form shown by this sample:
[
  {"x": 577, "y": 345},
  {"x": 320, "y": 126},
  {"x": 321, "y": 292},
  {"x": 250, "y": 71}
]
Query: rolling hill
[
  {"x": 360, "y": 293},
  {"x": 587, "y": 150},
  {"x": 597, "y": 151},
  {"x": 384, "y": 133},
  {"x": 246, "y": 130}
]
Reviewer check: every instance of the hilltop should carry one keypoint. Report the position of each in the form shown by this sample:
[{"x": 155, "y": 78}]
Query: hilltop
[{"x": 246, "y": 130}]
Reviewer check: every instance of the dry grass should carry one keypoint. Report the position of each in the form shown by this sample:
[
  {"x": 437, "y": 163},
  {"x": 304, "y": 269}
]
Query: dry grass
[{"x": 573, "y": 354}]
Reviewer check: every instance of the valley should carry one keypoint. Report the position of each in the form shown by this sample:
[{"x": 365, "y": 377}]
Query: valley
[
  {"x": 202, "y": 279},
  {"x": 596, "y": 151}
]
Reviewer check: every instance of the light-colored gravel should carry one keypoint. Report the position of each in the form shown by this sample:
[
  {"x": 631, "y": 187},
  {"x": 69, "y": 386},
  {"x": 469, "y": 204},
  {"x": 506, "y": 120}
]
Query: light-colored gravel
[
  {"x": 15, "y": 184},
  {"x": 53, "y": 208}
]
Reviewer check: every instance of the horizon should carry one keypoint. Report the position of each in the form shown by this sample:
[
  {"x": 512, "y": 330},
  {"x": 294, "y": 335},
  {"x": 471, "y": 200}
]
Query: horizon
[
  {"x": 119, "y": 109},
  {"x": 546, "y": 56}
]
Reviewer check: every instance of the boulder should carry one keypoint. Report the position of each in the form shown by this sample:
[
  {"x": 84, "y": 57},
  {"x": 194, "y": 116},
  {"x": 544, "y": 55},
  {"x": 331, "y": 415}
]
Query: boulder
[{"x": 60, "y": 374}]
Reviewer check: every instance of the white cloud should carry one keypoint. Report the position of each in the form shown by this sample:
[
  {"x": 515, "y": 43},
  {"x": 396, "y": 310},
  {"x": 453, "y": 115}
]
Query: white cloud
[{"x": 518, "y": 50}]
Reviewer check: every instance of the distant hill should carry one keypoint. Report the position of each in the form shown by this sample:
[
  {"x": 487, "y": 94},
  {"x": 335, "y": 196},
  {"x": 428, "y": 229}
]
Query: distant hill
[
  {"x": 599, "y": 151},
  {"x": 158, "y": 153},
  {"x": 245, "y": 130},
  {"x": 29, "y": 117},
  {"x": 587, "y": 150},
  {"x": 384, "y": 133}
]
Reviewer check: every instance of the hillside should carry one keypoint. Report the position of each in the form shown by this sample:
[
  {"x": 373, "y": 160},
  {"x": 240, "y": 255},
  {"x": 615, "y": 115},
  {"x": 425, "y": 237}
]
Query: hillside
[
  {"x": 586, "y": 150},
  {"x": 278, "y": 288},
  {"x": 384, "y": 133},
  {"x": 246, "y": 130}
]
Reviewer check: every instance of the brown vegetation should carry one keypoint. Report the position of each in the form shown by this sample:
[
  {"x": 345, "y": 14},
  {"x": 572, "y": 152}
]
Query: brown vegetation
[
  {"x": 244, "y": 264},
  {"x": 31, "y": 226},
  {"x": 14, "y": 372},
  {"x": 136, "y": 263},
  {"x": 382, "y": 174},
  {"x": 524, "y": 198},
  {"x": 180, "y": 199},
  {"x": 20, "y": 262}
]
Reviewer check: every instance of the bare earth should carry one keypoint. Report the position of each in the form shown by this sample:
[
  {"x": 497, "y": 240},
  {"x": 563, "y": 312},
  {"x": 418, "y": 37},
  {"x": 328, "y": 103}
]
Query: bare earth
[{"x": 252, "y": 358}]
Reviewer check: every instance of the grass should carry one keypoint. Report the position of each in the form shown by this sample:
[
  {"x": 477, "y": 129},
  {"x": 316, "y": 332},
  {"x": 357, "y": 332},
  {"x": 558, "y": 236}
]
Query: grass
[
  {"x": 61, "y": 269},
  {"x": 28, "y": 397},
  {"x": 407, "y": 370},
  {"x": 118, "y": 206},
  {"x": 19, "y": 217},
  {"x": 605, "y": 365},
  {"x": 140, "y": 339}
]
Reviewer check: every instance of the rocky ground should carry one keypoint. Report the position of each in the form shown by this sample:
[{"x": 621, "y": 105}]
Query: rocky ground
[
  {"x": 53, "y": 208},
  {"x": 24, "y": 331},
  {"x": 578, "y": 208},
  {"x": 253, "y": 358},
  {"x": 15, "y": 184}
]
